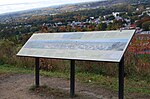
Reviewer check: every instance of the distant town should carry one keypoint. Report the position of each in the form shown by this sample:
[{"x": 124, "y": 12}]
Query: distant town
[
  {"x": 92, "y": 16},
  {"x": 134, "y": 16}
]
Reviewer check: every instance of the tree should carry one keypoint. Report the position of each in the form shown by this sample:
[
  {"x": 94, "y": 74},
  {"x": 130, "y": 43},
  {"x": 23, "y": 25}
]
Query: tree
[
  {"x": 146, "y": 26},
  {"x": 7, "y": 50},
  {"x": 140, "y": 22},
  {"x": 129, "y": 8},
  {"x": 62, "y": 29},
  {"x": 109, "y": 27},
  {"x": 102, "y": 26},
  {"x": 117, "y": 24},
  {"x": 111, "y": 17},
  {"x": 33, "y": 29},
  {"x": 44, "y": 28}
]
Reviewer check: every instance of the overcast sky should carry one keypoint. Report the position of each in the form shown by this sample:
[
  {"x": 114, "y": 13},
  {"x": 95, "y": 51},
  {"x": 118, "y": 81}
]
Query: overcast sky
[{"x": 18, "y": 5}]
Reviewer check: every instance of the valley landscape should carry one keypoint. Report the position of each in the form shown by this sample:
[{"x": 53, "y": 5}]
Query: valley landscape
[{"x": 94, "y": 80}]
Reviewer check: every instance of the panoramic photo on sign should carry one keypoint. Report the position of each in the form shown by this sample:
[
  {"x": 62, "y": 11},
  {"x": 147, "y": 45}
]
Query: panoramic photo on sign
[{"x": 97, "y": 45}]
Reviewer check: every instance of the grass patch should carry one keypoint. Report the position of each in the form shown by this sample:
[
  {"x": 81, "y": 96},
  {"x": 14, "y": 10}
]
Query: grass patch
[
  {"x": 111, "y": 83},
  {"x": 12, "y": 69},
  {"x": 55, "y": 74},
  {"x": 103, "y": 81}
]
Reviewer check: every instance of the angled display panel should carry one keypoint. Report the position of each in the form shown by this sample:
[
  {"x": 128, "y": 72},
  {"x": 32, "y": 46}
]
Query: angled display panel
[{"x": 97, "y": 45}]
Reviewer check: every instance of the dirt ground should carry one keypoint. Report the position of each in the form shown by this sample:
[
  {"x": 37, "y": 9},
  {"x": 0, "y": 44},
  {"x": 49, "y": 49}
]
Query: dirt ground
[{"x": 16, "y": 86}]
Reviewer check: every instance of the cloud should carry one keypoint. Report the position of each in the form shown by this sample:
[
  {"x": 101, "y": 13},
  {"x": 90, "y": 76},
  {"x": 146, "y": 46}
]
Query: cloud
[{"x": 18, "y": 5}]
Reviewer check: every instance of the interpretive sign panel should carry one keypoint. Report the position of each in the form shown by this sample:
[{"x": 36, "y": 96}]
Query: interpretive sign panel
[{"x": 97, "y": 45}]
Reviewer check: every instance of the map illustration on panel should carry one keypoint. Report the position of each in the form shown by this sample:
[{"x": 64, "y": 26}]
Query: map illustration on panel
[
  {"x": 98, "y": 45},
  {"x": 118, "y": 45}
]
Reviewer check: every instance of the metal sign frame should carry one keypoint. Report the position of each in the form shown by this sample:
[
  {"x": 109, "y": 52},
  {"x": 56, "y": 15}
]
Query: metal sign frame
[
  {"x": 72, "y": 73},
  {"x": 106, "y": 46}
]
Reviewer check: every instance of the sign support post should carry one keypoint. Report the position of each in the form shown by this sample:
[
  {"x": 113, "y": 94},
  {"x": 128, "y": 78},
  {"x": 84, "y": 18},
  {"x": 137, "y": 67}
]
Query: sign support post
[
  {"x": 72, "y": 78},
  {"x": 121, "y": 79},
  {"x": 37, "y": 72}
]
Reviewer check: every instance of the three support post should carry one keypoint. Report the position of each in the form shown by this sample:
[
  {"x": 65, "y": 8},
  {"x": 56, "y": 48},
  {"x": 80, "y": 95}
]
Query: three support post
[{"x": 72, "y": 77}]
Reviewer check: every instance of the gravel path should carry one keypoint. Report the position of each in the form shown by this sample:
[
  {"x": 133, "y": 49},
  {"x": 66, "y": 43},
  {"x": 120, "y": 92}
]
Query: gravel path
[{"x": 16, "y": 86}]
